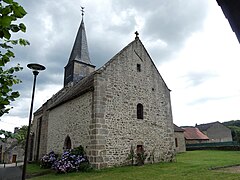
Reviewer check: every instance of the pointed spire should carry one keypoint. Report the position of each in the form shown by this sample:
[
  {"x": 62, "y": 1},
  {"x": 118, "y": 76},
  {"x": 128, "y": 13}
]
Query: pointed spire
[
  {"x": 80, "y": 47},
  {"x": 79, "y": 64}
]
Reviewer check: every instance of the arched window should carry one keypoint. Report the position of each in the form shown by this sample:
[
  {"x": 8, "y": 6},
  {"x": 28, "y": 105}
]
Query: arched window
[
  {"x": 67, "y": 143},
  {"x": 140, "y": 111}
]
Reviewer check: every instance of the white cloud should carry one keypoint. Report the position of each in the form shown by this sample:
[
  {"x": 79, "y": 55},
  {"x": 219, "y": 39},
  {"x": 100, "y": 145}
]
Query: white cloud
[
  {"x": 204, "y": 75},
  {"x": 191, "y": 42}
]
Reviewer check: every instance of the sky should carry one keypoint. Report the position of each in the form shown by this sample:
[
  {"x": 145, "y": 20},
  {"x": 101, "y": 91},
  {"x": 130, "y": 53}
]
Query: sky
[{"x": 190, "y": 42}]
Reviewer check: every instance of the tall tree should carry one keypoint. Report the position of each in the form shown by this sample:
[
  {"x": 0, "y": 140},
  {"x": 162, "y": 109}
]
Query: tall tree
[
  {"x": 21, "y": 135},
  {"x": 10, "y": 12},
  {"x": 7, "y": 134}
]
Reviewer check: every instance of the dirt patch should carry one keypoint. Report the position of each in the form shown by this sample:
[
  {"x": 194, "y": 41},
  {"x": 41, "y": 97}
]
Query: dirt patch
[{"x": 232, "y": 169}]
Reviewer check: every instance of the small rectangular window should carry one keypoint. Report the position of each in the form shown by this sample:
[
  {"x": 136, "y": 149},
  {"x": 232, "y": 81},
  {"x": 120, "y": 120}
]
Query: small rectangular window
[
  {"x": 176, "y": 142},
  {"x": 139, "y": 67},
  {"x": 139, "y": 111}
]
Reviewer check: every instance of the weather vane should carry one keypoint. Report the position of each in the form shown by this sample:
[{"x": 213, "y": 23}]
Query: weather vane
[{"x": 82, "y": 9}]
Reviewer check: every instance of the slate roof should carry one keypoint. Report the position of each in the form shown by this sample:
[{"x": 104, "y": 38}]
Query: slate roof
[
  {"x": 81, "y": 87},
  {"x": 204, "y": 127},
  {"x": 192, "y": 133},
  {"x": 177, "y": 129},
  {"x": 86, "y": 84},
  {"x": 80, "y": 47}
]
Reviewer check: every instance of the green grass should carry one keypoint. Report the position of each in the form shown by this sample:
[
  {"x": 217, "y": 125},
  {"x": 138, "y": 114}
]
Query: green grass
[
  {"x": 33, "y": 169},
  {"x": 190, "y": 165}
]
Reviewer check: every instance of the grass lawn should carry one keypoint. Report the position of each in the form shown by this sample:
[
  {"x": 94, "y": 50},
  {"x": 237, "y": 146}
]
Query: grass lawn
[{"x": 190, "y": 165}]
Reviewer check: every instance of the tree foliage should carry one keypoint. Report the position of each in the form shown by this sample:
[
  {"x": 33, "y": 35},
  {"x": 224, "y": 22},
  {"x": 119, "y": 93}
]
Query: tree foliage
[
  {"x": 234, "y": 125},
  {"x": 7, "y": 134},
  {"x": 10, "y": 12},
  {"x": 20, "y": 135}
]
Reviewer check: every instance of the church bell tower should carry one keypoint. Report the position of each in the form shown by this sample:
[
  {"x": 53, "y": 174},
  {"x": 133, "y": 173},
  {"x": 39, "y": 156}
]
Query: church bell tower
[{"x": 79, "y": 64}]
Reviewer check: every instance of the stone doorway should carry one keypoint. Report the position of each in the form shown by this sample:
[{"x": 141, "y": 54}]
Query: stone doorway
[
  {"x": 140, "y": 155},
  {"x": 14, "y": 158},
  {"x": 67, "y": 143}
]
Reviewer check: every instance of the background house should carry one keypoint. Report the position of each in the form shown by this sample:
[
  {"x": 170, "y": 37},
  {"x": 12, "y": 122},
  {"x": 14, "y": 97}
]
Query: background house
[
  {"x": 216, "y": 132},
  {"x": 11, "y": 151},
  {"x": 192, "y": 135},
  {"x": 180, "y": 144}
]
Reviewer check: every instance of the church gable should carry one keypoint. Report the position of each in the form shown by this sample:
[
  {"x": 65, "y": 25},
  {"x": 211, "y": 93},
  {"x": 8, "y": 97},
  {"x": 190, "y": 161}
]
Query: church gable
[
  {"x": 138, "y": 59},
  {"x": 131, "y": 105}
]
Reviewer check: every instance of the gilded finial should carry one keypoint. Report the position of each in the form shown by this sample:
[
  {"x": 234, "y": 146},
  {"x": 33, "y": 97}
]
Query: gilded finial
[
  {"x": 136, "y": 35},
  {"x": 82, "y": 9}
]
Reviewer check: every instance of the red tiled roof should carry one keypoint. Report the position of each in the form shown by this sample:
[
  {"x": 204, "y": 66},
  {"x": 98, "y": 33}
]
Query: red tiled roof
[{"x": 194, "y": 133}]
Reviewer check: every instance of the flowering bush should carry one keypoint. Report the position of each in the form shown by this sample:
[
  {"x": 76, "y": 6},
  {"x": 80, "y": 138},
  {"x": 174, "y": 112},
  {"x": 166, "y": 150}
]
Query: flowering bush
[
  {"x": 69, "y": 162},
  {"x": 48, "y": 160},
  {"x": 78, "y": 151},
  {"x": 73, "y": 160}
]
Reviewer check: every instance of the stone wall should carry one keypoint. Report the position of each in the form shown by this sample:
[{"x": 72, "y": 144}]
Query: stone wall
[
  {"x": 43, "y": 132},
  {"x": 180, "y": 144},
  {"x": 39, "y": 130},
  {"x": 218, "y": 133},
  {"x": 119, "y": 87},
  {"x": 70, "y": 119}
]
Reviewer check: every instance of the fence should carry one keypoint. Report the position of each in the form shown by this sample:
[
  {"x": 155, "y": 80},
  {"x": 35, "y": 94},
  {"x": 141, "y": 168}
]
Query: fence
[
  {"x": 231, "y": 145},
  {"x": 4, "y": 165}
]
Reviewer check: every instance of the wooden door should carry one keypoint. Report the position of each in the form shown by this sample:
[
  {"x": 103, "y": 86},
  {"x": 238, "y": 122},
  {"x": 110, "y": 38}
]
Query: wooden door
[{"x": 14, "y": 158}]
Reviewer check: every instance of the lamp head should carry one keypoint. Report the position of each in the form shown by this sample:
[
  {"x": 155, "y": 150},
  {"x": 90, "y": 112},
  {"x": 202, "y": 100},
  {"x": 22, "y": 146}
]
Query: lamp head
[{"x": 36, "y": 67}]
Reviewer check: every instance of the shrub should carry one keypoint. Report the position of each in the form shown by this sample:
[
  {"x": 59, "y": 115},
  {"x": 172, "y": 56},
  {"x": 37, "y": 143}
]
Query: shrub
[
  {"x": 152, "y": 156},
  {"x": 73, "y": 160},
  {"x": 48, "y": 160},
  {"x": 141, "y": 156},
  {"x": 131, "y": 155}
]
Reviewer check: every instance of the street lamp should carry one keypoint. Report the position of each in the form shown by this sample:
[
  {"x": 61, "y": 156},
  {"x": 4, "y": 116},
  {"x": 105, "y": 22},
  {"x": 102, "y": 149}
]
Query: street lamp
[{"x": 35, "y": 69}]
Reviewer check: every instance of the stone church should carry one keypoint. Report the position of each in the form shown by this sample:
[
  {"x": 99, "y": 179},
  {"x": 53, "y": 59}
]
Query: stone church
[{"x": 123, "y": 104}]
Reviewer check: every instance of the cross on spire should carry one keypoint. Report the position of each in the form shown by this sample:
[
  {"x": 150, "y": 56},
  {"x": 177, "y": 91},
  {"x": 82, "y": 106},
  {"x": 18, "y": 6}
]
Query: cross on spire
[
  {"x": 82, "y": 9},
  {"x": 136, "y": 35}
]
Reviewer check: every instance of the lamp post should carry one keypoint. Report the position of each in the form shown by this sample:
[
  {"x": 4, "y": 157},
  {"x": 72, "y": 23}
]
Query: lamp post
[{"x": 35, "y": 69}]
